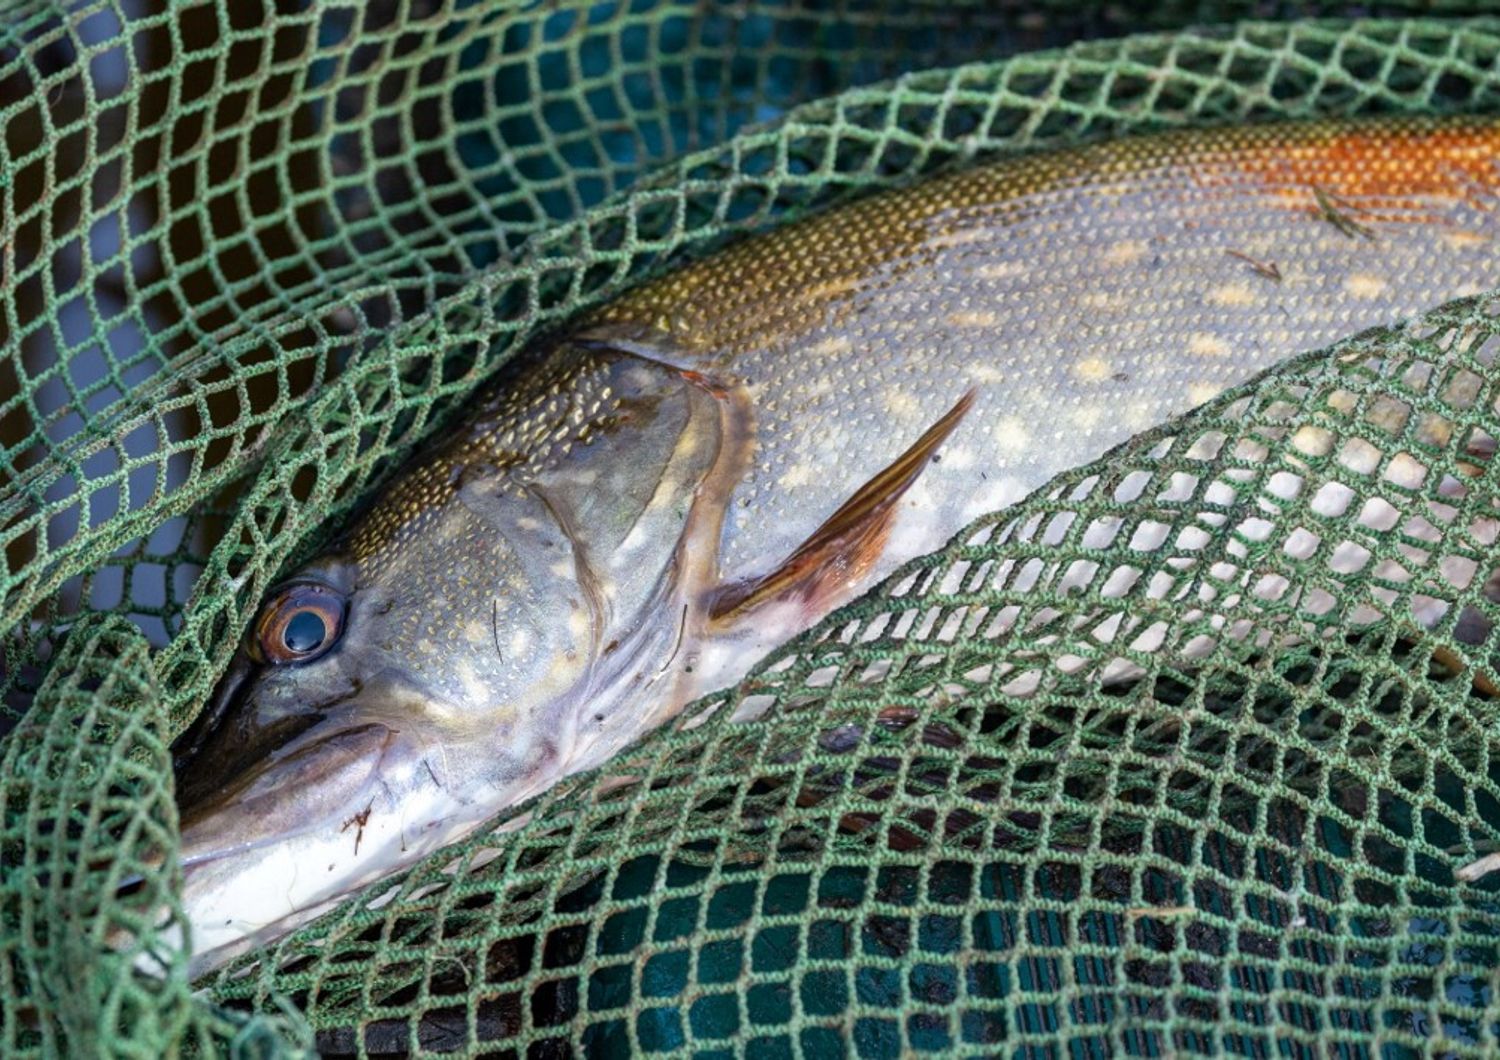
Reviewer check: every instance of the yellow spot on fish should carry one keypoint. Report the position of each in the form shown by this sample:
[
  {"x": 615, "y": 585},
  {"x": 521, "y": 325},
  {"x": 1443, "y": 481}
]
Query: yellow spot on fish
[
  {"x": 833, "y": 346},
  {"x": 962, "y": 236},
  {"x": 799, "y": 474},
  {"x": 1001, "y": 270},
  {"x": 831, "y": 290},
  {"x": 1086, "y": 417},
  {"x": 1102, "y": 300},
  {"x": 901, "y": 404},
  {"x": 476, "y": 632},
  {"x": 474, "y": 689},
  {"x": 1092, "y": 369},
  {"x": 1364, "y": 285},
  {"x": 1198, "y": 393},
  {"x": 1126, "y": 252},
  {"x": 1233, "y": 294},
  {"x": 1205, "y": 344},
  {"x": 1011, "y": 434},
  {"x": 974, "y": 318},
  {"x": 1462, "y": 240},
  {"x": 1292, "y": 197},
  {"x": 985, "y": 373}
]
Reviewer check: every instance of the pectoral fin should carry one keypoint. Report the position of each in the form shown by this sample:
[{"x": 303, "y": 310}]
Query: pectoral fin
[{"x": 842, "y": 550}]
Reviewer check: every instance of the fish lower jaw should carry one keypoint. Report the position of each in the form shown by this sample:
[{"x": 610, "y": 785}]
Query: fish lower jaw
[{"x": 240, "y": 902}]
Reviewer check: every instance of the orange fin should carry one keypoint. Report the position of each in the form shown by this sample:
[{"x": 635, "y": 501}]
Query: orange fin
[{"x": 846, "y": 546}]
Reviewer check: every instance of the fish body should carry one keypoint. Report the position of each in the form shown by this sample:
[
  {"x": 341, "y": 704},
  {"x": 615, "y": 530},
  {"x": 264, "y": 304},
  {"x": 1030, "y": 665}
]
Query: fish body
[{"x": 706, "y": 466}]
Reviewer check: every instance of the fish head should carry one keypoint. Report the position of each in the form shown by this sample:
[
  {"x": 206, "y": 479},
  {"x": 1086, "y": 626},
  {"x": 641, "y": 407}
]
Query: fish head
[
  {"x": 368, "y": 704},
  {"x": 499, "y": 619}
]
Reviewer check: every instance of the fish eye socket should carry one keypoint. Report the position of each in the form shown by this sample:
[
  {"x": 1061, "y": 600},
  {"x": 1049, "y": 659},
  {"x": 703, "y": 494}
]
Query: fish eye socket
[{"x": 299, "y": 624}]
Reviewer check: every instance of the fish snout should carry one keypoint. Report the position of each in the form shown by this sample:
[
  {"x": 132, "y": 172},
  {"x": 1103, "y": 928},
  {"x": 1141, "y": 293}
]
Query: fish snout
[{"x": 321, "y": 774}]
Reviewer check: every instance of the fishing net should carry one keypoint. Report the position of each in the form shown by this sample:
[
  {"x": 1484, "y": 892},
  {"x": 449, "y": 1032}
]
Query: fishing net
[{"x": 1157, "y": 762}]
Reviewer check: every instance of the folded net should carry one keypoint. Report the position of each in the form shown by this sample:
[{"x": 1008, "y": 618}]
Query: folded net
[{"x": 1158, "y": 761}]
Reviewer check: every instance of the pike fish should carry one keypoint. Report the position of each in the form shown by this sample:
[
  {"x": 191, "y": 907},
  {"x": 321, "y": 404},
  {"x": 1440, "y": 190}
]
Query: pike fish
[{"x": 653, "y": 499}]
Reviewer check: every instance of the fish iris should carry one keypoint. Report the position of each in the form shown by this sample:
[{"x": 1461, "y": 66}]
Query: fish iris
[{"x": 299, "y": 625}]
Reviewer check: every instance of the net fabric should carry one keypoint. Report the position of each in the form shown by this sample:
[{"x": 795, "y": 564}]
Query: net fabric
[
  {"x": 98, "y": 734},
  {"x": 985, "y": 866}
]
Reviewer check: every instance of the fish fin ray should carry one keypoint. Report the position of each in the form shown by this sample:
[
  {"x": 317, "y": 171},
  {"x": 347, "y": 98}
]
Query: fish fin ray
[{"x": 848, "y": 541}]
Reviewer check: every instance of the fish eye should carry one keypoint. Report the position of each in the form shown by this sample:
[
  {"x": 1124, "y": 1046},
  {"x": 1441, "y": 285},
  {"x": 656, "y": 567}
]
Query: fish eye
[{"x": 297, "y": 625}]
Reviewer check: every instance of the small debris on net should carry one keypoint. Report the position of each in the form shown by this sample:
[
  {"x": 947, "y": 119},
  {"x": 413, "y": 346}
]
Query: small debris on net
[{"x": 1476, "y": 870}]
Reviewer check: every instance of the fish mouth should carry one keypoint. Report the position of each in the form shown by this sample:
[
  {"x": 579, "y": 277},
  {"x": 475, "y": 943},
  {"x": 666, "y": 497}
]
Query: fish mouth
[
  {"x": 313, "y": 778},
  {"x": 226, "y": 696}
]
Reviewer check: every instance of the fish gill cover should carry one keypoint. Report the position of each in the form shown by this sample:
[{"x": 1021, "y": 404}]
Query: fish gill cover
[{"x": 252, "y": 255}]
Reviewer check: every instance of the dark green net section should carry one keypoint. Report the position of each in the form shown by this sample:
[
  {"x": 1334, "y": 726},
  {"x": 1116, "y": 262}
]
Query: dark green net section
[{"x": 1157, "y": 763}]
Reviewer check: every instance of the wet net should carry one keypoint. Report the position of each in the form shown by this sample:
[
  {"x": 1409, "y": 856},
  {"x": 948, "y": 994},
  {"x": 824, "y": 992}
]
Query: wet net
[{"x": 1157, "y": 762}]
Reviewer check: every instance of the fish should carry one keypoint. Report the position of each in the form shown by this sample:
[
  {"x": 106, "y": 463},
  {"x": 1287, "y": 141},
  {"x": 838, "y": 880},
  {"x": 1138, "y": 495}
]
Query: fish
[{"x": 654, "y": 497}]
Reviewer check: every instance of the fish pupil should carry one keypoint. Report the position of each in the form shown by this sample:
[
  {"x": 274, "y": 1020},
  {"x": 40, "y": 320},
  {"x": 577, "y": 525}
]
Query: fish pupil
[{"x": 304, "y": 632}]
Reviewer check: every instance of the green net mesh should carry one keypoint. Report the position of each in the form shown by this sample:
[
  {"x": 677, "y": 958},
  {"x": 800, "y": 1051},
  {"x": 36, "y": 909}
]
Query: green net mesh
[{"x": 250, "y": 255}]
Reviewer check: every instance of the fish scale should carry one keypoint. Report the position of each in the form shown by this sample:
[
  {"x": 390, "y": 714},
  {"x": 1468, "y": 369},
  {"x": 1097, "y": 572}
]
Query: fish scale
[{"x": 687, "y": 477}]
